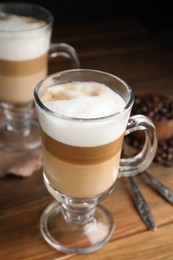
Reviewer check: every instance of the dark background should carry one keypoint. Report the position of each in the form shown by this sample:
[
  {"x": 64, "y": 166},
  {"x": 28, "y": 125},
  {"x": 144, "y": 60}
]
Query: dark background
[{"x": 157, "y": 15}]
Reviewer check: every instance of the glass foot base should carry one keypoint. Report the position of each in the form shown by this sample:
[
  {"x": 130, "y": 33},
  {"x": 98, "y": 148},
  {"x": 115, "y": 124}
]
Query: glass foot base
[
  {"x": 19, "y": 141},
  {"x": 70, "y": 237}
]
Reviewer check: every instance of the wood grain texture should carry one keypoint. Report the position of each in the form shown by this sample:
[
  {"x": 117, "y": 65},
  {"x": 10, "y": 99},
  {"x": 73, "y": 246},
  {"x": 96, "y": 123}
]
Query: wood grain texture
[{"x": 145, "y": 60}]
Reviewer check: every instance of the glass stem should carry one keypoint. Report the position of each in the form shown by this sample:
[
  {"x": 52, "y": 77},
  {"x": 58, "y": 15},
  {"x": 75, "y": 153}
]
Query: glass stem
[
  {"x": 18, "y": 118},
  {"x": 78, "y": 214}
]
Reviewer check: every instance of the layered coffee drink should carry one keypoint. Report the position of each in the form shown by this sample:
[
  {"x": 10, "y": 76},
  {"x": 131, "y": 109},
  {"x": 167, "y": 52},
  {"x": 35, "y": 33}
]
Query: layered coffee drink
[
  {"x": 24, "y": 45},
  {"x": 84, "y": 115},
  {"x": 82, "y": 127}
]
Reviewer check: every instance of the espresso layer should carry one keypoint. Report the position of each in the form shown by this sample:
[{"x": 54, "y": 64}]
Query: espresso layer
[
  {"x": 23, "y": 68},
  {"x": 81, "y": 155}
]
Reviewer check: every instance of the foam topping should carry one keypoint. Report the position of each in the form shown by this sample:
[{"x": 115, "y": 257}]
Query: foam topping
[
  {"x": 83, "y": 100},
  {"x": 22, "y": 38},
  {"x": 10, "y": 22}
]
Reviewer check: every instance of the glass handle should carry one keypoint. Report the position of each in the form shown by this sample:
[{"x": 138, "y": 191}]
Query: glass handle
[
  {"x": 65, "y": 50},
  {"x": 141, "y": 161}
]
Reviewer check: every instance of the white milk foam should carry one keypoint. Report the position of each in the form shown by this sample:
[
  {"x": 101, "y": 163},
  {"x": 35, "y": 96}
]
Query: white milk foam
[
  {"x": 22, "y": 37},
  {"x": 85, "y": 100}
]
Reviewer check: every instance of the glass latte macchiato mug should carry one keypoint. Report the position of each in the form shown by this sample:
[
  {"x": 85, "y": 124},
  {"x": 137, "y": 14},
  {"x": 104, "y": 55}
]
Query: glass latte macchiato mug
[
  {"x": 84, "y": 116},
  {"x": 25, "y": 51}
]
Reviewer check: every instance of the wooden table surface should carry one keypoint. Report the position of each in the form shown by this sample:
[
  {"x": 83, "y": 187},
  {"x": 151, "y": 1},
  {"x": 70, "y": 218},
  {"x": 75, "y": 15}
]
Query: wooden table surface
[{"x": 144, "y": 59}]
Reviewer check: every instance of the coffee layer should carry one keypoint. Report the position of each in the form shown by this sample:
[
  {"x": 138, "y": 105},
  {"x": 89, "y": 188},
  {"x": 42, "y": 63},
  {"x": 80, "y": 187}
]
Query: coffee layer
[
  {"x": 23, "y": 68},
  {"x": 81, "y": 155}
]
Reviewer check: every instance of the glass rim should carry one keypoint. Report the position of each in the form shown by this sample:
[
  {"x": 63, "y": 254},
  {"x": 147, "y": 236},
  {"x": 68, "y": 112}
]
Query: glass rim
[
  {"x": 28, "y": 4},
  {"x": 79, "y": 119}
]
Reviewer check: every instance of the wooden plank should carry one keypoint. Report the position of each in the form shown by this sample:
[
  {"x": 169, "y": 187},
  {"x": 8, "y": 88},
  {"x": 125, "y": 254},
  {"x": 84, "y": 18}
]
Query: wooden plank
[{"x": 149, "y": 245}]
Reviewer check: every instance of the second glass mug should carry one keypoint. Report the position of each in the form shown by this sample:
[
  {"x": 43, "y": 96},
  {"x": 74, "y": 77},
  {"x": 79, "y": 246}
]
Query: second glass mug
[
  {"x": 25, "y": 50},
  {"x": 84, "y": 115}
]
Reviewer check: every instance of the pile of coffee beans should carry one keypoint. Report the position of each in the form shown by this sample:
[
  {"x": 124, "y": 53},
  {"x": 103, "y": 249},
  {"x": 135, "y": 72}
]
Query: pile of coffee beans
[
  {"x": 164, "y": 154},
  {"x": 158, "y": 108}
]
